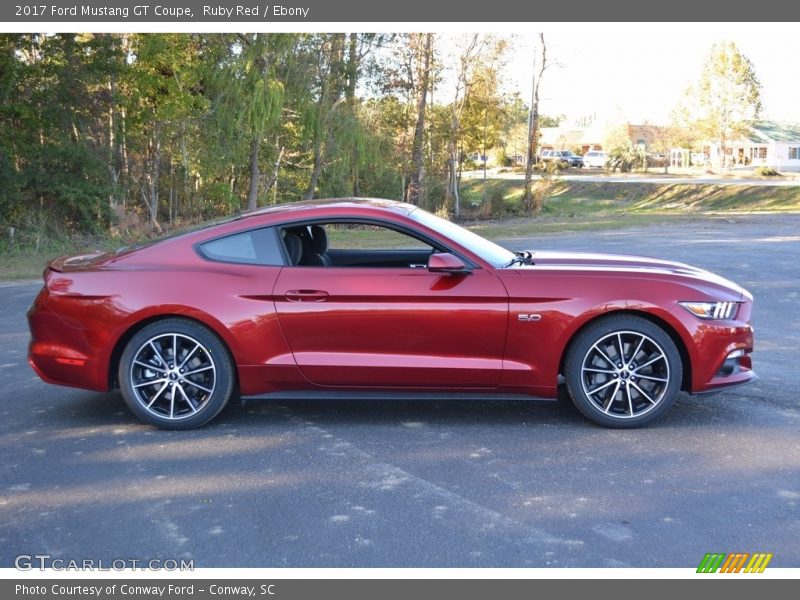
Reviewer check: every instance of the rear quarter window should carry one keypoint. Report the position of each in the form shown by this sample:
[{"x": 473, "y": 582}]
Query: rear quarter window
[{"x": 254, "y": 247}]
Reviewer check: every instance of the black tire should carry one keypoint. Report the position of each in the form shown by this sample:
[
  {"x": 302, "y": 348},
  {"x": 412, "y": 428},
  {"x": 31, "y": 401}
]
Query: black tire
[
  {"x": 628, "y": 389},
  {"x": 186, "y": 392}
]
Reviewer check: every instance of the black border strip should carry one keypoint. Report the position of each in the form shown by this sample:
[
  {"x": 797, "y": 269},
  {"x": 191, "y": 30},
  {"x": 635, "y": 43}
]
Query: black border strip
[{"x": 424, "y": 11}]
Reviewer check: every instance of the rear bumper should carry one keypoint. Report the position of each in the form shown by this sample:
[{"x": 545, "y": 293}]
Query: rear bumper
[
  {"x": 64, "y": 352},
  {"x": 62, "y": 365}
]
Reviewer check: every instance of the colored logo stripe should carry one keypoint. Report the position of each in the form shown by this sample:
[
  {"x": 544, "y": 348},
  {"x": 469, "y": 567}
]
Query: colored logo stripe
[
  {"x": 710, "y": 563},
  {"x": 758, "y": 563},
  {"x": 734, "y": 562}
]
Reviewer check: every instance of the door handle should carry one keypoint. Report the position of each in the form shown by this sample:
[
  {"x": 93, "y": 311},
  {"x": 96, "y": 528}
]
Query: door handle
[{"x": 306, "y": 295}]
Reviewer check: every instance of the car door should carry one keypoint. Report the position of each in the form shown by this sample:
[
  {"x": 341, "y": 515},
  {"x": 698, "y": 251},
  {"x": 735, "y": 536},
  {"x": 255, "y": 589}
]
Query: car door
[{"x": 398, "y": 325}]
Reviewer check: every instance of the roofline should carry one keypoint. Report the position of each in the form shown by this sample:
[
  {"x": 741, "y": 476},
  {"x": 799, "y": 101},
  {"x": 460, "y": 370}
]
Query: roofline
[{"x": 347, "y": 202}]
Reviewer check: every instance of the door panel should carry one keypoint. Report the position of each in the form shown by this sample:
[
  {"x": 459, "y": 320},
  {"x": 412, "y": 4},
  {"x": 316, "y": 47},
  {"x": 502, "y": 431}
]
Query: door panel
[{"x": 398, "y": 327}]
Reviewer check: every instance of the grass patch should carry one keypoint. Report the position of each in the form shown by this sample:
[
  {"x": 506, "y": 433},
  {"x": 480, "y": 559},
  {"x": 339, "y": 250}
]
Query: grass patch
[
  {"x": 29, "y": 263},
  {"x": 581, "y": 206},
  {"x": 22, "y": 266},
  {"x": 524, "y": 227},
  {"x": 577, "y": 198}
]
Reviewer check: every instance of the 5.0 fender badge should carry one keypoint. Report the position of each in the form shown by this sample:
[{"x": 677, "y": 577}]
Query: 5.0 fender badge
[{"x": 529, "y": 318}]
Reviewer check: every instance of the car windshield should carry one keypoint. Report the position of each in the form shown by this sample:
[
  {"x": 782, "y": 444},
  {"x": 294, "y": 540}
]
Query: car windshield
[{"x": 493, "y": 254}]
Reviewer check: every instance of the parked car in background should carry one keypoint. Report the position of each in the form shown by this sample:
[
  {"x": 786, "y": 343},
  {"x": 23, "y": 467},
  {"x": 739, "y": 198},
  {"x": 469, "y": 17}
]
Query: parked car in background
[
  {"x": 595, "y": 159},
  {"x": 378, "y": 299},
  {"x": 564, "y": 158},
  {"x": 478, "y": 158}
]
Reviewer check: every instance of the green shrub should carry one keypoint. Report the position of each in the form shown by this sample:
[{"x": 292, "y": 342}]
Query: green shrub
[
  {"x": 503, "y": 159},
  {"x": 468, "y": 165},
  {"x": 497, "y": 204},
  {"x": 627, "y": 157},
  {"x": 551, "y": 166},
  {"x": 765, "y": 172}
]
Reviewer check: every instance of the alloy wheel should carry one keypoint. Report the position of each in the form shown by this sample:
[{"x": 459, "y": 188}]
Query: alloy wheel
[
  {"x": 625, "y": 374},
  {"x": 173, "y": 376}
]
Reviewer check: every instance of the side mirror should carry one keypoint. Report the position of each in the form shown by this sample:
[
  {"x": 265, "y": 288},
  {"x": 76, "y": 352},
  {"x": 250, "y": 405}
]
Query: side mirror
[{"x": 444, "y": 262}]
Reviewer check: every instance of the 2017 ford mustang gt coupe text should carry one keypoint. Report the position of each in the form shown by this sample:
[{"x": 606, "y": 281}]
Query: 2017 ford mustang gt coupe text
[{"x": 373, "y": 298}]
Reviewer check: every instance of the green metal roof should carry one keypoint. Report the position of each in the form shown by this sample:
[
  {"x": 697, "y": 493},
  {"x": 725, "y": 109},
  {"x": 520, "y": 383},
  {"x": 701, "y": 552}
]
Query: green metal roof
[{"x": 778, "y": 132}]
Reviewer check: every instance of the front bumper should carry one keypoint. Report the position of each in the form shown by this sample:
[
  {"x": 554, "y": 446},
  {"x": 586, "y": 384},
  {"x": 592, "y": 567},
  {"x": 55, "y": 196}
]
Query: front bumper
[
  {"x": 729, "y": 386},
  {"x": 734, "y": 372},
  {"x": 720, "y": 352}
]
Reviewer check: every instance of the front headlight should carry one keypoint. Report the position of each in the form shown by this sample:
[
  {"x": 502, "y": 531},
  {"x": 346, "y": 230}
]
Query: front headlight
[{"x": 711, "y": 310}]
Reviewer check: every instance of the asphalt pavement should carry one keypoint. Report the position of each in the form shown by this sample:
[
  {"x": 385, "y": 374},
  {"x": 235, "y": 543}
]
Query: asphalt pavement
[{"x": 426, "y": 483}]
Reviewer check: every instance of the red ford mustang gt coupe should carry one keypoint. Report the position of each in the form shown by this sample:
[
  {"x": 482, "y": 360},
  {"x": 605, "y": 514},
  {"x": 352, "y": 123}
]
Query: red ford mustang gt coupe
[{"x": 379, "y": 299}]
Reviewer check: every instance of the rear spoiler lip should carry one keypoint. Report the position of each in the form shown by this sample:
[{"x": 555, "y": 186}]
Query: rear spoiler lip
[{"x": 74, "y": 262}]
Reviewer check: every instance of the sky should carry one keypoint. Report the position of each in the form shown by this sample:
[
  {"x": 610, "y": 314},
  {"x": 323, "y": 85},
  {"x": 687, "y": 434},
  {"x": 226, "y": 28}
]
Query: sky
[{"x": 637, "y": 72}]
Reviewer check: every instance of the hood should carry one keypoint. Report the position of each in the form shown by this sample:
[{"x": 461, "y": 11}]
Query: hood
[
  {"x": 593, "y": 259},
  {"x": 622, "y": 264}
]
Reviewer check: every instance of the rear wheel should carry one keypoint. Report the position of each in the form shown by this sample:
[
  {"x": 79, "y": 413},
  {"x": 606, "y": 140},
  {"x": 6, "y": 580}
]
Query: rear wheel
[
  {"x": 176, "y": 374},
  {"x": 623, "y": 371}
]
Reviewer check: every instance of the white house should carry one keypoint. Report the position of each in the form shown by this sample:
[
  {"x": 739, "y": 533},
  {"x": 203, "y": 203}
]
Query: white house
[{"x": 769, "y": 144}]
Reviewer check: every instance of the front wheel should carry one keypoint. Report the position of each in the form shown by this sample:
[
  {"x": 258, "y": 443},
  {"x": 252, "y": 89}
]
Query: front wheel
[
  {"x": 623, "y": 371},
  {"x": 176, "y": 374}
]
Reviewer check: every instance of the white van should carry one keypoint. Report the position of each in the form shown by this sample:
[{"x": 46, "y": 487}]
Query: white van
[{"x": 595, "y": 158}]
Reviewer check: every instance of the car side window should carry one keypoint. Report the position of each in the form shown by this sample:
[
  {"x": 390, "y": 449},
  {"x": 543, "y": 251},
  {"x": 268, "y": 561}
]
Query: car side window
[
  {"x": 362, "y": 236},
  {"x": 254, "y": 247},
  {"x": 354, "y": 244}
]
